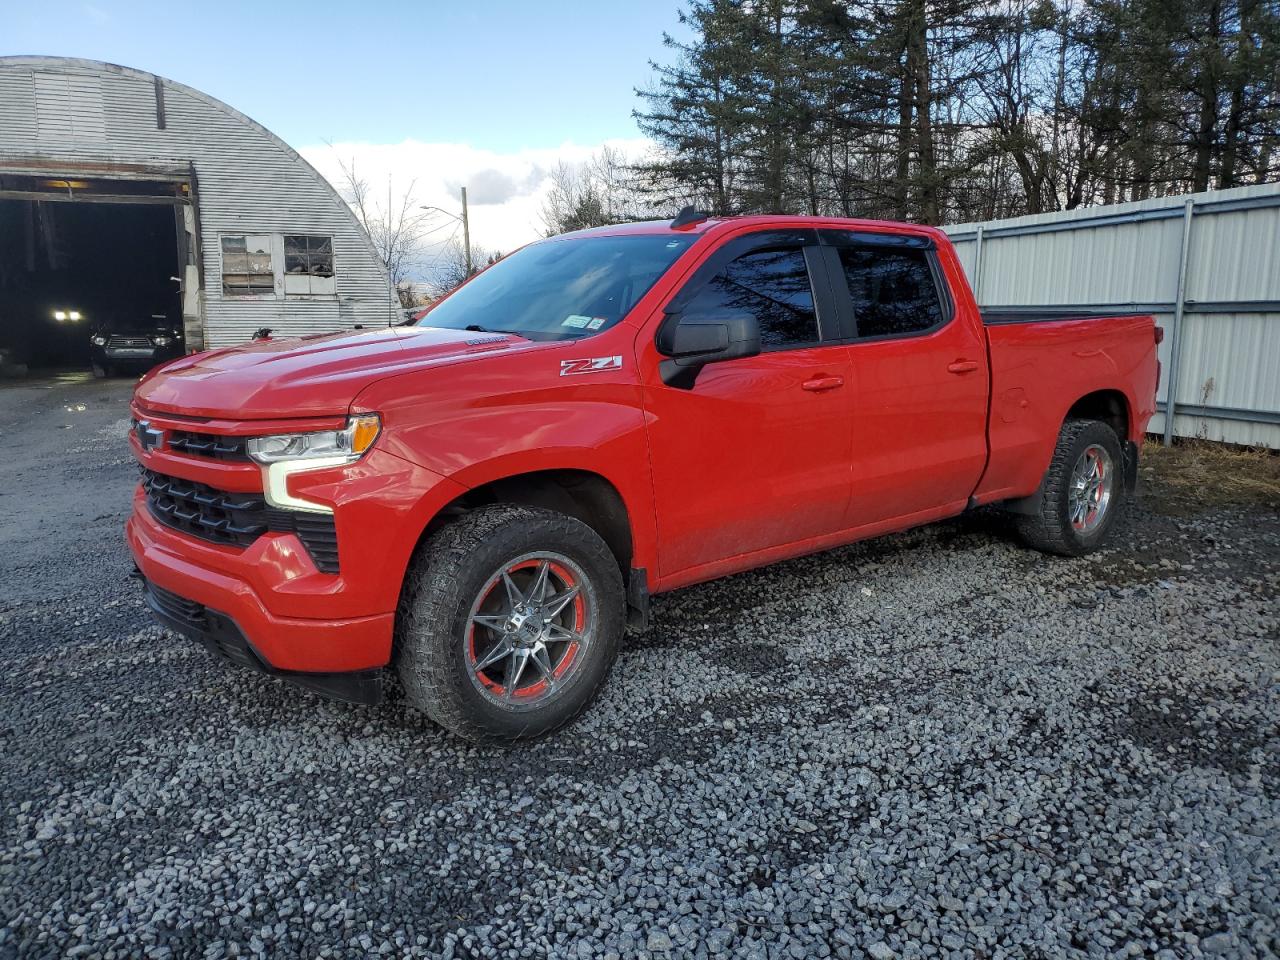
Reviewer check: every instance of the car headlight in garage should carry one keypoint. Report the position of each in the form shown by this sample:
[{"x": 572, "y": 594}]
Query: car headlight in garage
[
  {"x": 98, "y": 340},
  {"x": 60, "y": 315},
  {"x": 160, "y": 340},
  {"x": 74, "y": 315},
  {"x": 333, "y": 447}
]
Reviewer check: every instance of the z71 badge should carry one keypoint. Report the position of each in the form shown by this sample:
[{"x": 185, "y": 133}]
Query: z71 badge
[{"x": 569, "y": 368}]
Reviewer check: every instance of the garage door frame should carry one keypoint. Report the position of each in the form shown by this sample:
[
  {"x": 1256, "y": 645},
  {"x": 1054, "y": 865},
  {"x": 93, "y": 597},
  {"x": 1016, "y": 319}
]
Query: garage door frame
[{"x": 184, "y": 200}]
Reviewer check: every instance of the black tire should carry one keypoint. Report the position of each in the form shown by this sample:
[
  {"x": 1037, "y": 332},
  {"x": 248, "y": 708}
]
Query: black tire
[
  {"x": 452, "y": 573},
  {"x": 100, "y": 371},
  {"x": 1049, "y": 528}
]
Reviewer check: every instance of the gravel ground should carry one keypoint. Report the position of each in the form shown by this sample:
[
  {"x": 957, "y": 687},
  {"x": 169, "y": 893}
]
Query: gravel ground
[{"x": 934, "y": 744}]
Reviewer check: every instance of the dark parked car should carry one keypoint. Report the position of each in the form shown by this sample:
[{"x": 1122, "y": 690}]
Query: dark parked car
[{"x": 133, "y": 345}]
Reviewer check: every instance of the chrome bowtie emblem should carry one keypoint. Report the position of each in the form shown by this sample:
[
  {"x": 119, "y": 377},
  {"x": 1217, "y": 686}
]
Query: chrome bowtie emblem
[{"x": 148, "y": 436}]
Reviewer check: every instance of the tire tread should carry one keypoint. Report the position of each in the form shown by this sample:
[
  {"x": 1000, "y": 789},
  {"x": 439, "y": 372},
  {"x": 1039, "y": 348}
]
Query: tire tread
[
  {"x": 1047, "y": 529},
  {"x": 432, "y": 594}
]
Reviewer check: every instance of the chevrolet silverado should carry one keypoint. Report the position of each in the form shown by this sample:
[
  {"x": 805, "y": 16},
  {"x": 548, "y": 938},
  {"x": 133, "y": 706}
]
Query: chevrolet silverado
[{"x": 480, "y": 504}]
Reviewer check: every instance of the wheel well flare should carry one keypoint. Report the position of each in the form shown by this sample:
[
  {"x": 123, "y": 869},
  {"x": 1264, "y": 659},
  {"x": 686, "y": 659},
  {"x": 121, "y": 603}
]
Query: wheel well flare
[
  {"x": 1109, "y": 406},
  {"x": 580, "y": 494}
]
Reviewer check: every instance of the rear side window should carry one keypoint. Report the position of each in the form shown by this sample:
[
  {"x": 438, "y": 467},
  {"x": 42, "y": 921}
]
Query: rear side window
[
  {"x": 773, "y": 285},
  {"x": 893, "y": 291}
]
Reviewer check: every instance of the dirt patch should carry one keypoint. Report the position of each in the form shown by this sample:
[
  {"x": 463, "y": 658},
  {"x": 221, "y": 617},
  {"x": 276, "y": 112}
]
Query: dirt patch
[
  {"x": 1195, "y": 475},
  {"x": 1197, "y": 729}
]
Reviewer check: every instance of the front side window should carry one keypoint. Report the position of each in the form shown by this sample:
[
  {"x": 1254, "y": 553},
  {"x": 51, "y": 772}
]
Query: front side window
[
  {"x": 561, "y": 289},
  {"x": 308, "y": 265},
  {"x": 773, "y": 285},
  {"x": 247, "y": 269},
  {"x": 893, "y": 291}
]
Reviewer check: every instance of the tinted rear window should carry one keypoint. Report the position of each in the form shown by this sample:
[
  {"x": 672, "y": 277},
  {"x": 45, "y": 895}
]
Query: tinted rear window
[{"x": 893, "y": 291}]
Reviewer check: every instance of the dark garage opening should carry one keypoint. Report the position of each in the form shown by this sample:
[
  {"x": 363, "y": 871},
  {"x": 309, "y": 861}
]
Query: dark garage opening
[{"x": 73, "y": 270}]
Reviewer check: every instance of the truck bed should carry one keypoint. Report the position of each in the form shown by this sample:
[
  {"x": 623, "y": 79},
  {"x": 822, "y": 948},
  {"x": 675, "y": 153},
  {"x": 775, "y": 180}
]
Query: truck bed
[{"x": 1039, "y": 366}]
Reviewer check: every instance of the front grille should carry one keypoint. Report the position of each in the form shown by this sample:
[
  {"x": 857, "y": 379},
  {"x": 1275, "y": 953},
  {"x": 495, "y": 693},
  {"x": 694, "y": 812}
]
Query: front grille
[
  {"x": 210, "y": 445},
  {"x": 236, "y": 519},
  {"x": 200, "y": 510},
  {"x": 118, "y": 342}
]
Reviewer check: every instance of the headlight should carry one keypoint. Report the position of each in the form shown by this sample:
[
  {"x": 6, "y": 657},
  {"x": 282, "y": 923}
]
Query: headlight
[
  {"x": 74, "y": 314},
  {"x": 59, "y": 314},
  {"x": 160, "y": 340},
  {"x": 99, "y": 340},
  {"x": 336, "y": 446}
]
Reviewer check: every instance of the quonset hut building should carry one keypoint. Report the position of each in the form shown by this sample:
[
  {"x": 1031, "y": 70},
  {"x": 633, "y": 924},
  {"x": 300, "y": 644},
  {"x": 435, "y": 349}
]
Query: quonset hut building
[{"x": 123, "y": 193}]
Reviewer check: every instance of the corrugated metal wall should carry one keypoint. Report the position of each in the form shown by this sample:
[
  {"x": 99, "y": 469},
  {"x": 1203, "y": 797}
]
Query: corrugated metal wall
[
  {"x": 248, "y": 182},
  {"x": 1130, "y": 257}
]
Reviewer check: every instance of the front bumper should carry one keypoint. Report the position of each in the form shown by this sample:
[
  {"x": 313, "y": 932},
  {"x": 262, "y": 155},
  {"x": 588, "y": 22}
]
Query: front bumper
[
  {"x": 222, "y": 636},
  {"x": 294, "y": 617},
  {"x": 184, "y": 567}
]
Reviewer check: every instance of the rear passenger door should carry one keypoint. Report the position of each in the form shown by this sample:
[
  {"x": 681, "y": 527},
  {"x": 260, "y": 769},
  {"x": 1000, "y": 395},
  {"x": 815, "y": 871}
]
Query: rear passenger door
[
  {"x": 755, "y": 454},
  {"x": 919, "y": 380}
]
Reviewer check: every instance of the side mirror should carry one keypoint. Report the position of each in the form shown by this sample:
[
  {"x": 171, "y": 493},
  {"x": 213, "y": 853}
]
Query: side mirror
[{"x": 692, "y": 340}]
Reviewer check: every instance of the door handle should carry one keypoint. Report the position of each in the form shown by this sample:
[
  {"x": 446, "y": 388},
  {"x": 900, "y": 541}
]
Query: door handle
[
  {"x": 818, "y": 384},
  {"x": 962, "y": 366}
]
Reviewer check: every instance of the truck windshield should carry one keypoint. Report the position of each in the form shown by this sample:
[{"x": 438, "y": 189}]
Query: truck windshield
[{"x": 560, "y": 289}]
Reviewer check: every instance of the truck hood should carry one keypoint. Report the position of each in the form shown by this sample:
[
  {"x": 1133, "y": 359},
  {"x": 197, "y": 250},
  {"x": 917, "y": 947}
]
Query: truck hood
[{"x": 307, "y": 376}]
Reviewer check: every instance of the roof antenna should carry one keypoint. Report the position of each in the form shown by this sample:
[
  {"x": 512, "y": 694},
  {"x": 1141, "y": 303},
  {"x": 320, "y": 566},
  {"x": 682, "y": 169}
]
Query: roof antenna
[{"x": 687, "y": 217}]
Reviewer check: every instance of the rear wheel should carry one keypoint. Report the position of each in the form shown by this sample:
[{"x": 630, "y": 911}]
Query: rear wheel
[
  {"x": 509, "y": 621},
  {"x": 1081, "y": 494}
]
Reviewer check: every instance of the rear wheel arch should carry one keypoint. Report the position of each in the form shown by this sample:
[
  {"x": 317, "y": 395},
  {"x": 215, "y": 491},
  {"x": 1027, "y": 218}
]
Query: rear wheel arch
[{"x": 1110, "y": 406}]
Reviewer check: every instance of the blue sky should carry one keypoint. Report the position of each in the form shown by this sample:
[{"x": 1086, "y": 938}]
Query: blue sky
[{"x": 497, "y": 75}]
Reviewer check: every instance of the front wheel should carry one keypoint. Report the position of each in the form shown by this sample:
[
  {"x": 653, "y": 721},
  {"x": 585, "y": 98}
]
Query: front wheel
[
  {"x": 509, "y": 620},
  {"x": 1081, "y": 494}
]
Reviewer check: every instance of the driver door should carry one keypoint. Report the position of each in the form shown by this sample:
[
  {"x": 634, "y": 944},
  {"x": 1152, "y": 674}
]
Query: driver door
[{"x": 756, "y": 452}]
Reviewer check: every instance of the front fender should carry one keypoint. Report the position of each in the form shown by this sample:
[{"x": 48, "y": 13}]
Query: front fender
[{"x": 508, "y": 415}]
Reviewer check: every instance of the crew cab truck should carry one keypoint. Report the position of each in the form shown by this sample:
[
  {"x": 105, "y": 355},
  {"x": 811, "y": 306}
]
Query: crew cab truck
[{"x": 480, "y": 504}]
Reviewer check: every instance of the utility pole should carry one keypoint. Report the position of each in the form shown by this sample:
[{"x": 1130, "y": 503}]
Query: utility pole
[
  {"x": 466, "y": 228},
  {"x": 466, "y": 231}
]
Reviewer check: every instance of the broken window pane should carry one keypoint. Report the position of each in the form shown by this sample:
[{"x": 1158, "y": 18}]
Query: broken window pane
[
  {"x": 309, "y": 256},
  {"x": 247, "y": 268}
]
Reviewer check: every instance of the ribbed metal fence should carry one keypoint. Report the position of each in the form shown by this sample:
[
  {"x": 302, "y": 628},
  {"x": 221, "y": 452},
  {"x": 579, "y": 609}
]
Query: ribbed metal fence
[{"x": 1206, "y": 264}]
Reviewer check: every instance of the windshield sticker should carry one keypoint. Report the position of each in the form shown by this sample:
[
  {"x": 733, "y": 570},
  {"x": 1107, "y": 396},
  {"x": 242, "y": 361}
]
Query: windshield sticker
[
  {"x": 575, "y": 320},
  {"x": 596, "y": 323},
  {"x": 569, "y": 368}
]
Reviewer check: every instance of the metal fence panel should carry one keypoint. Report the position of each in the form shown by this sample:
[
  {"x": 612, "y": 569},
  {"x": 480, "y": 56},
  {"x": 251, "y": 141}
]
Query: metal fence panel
[{"x": 1218, "y": 301}]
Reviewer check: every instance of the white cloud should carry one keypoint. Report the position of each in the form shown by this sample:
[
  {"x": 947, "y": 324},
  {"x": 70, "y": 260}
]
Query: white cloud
[{"x": 504, "y": 190}]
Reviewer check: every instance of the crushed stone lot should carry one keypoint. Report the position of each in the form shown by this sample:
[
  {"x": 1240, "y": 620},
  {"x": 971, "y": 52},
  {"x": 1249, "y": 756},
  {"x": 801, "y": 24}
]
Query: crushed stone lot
[{"x": 933, "y": 744}]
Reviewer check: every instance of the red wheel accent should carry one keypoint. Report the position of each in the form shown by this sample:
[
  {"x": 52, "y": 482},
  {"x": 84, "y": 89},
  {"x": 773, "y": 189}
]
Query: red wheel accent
[{"x": 573, "y": 619}]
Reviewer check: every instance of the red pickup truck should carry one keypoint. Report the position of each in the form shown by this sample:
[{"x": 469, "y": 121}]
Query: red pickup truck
[{"x": 482, "y": 503}]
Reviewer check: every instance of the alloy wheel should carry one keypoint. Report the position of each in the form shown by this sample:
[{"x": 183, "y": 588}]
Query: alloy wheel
[
  {"x": 529, "y": 628},
  {"x": 1090, "y": 489}
]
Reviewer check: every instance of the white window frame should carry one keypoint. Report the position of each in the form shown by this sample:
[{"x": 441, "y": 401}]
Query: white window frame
[{"x": 284, "y": 285}]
